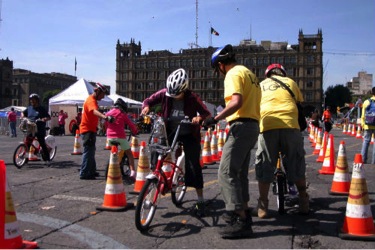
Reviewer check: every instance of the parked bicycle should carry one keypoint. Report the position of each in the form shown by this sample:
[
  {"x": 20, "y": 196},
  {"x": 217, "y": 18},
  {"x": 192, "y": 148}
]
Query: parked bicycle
[
  {"x": 30, "y": 144},
  {"x": 286, "y": 191},
  {"x": 159, "y": 182}
]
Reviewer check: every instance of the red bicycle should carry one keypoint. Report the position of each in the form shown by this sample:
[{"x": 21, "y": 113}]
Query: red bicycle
[
  {"x": 159, "y": 182},
  {"x": 30, "y": 144}
]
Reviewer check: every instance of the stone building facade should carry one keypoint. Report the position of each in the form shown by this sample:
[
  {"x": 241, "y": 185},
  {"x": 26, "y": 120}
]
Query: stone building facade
[
  {"x": 360, "y": 85},
  {"x": 139, "y": 75},
  {"x": 7, "y": 92}
]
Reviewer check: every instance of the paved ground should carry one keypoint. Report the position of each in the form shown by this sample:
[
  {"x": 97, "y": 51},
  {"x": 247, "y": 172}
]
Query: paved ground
[{"x": 58, "y": 210}]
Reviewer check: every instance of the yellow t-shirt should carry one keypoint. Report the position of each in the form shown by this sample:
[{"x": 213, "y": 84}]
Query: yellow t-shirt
[
  {"x": 277, "y": 107},
  {"x": 240, "y": 80}
]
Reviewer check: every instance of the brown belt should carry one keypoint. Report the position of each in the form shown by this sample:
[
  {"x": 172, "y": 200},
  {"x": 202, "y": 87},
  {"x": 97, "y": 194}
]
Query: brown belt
[{"x": 243, "y": 120}]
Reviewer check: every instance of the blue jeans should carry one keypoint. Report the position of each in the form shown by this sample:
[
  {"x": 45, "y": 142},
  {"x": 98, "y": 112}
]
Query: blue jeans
[
  {"x": 88, "y": 166},
  {"x": 12, "y": 127},
  {"x": 366, "y": 142}
]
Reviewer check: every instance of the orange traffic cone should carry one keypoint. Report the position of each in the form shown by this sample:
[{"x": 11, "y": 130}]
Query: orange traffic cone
[
  {"x": 359, "y": 132},
  {"x": 206, "y": 152},
  {"x": 77, "y": 144},
  {"x": 372, "y": 139},
  {"x": 32, "y": 156},
  {"x": 114, "y": 195},
  {"x": 354, "y": 130},
  {"x": 344, "y": 128},
  {"x": 214, "y": 149},
  {"x": 311, "y": 135},
  {"x": 107, "y": 146},
  {"x": 318, "y": 144},
  {"x": 328, "y": 166},
  {"x": 134, "y": 147},
  {"x": 200, "y": 156},
  {"x": 143, "y": 169},
  {"x": 358, "y": 223},
  {"x": 323, "y": 148},
  {"x": 10, "y": 233},
  {"x": 341, "y": 178}
]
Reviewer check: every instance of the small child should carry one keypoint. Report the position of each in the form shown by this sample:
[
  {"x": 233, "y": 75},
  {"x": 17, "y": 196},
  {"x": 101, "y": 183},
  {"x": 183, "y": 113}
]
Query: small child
[{"x": 116, "y": 131}]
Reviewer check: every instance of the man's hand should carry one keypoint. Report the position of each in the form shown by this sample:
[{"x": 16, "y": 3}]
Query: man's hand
[
  {"x": 209, "y": 122},
  {"x": 110, "y": 119}
]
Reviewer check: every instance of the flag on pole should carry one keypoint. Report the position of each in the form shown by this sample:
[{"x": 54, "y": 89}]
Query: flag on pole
[
  {"x": 75, "y": 64},
  {"x": 214, "y": 32}
]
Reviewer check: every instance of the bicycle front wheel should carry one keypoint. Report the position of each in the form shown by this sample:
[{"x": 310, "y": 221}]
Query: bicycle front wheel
[
  {"x": 178, "y": 189},
  {"x": 20, "y": 156},
  {"x": 146, "y": 205},
  {"x": 52, "y": 152}
]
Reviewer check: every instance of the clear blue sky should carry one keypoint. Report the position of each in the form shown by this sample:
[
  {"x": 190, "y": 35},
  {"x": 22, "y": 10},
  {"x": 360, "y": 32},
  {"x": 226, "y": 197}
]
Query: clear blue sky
[{"x": 47, "y": 35}]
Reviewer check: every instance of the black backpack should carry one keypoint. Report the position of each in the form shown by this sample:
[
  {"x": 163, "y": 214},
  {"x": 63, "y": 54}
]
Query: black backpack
[{"x": 370, "y": 113}]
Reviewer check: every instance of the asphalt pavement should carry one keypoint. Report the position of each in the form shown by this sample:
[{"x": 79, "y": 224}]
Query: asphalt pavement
[{"x": 59, "y": 211}]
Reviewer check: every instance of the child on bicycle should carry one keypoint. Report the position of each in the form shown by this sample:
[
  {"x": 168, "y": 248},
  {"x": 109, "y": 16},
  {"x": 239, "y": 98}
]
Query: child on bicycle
[
  {"x": 116, "y": 131},
  {"x": 178, "y": 101},
  {"x": 36, "y": 113}
]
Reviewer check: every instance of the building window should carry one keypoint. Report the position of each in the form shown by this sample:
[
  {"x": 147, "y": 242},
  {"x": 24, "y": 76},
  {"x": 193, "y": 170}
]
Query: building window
[
  {"x": 265, "y": 61},
  {"x": 308, "y": 97},
  {"x": 310, "y": 84},
  {"x": 260, "y": 61},
  {"x": 310, "y": 58},
  {"x": 280, "y": 60},
  {"x": 293, "y": 60},
  {"x": 310, "y": 71}
]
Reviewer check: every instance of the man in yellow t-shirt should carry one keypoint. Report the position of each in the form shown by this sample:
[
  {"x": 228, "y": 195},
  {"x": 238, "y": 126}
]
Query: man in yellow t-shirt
[
  {"x": 87, "y": 128},
  {"x": 279, "y": 132},
  {"x": 369, "y": 130},
  {"x": 242, "y": 99}
]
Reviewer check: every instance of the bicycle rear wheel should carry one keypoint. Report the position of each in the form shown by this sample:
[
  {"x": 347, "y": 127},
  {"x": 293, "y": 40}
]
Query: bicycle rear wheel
[
  {"x": 281, "y": 182},
  {"x": 178, "y": 189},
  {"x": 52, "y": 152},
  {"x": 146, "y": 205},
  {"x": 20, "y": 156}
]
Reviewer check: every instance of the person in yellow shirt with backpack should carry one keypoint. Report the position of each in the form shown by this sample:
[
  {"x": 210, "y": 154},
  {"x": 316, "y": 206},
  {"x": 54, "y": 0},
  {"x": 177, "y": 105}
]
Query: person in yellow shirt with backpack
[{"x": 368, "y": 125}]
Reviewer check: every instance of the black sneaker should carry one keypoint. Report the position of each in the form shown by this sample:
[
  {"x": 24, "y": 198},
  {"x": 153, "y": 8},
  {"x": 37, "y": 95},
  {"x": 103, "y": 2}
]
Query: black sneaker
[
  {"x": 229, "y": 216},
  {"x": 200, "y": 209},
  {"x": 238, "y": 228}
]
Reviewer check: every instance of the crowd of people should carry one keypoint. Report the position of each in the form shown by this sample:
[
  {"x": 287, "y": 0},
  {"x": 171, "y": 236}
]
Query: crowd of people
[{"x": 258, "y": 113}]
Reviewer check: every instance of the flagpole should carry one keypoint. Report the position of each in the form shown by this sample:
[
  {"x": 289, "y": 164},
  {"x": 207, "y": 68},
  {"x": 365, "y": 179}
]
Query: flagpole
[{"x": 210, "y": 35}]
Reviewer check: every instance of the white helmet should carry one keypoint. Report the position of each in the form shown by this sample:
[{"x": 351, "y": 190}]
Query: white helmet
[{"x": 177, "y": 82}]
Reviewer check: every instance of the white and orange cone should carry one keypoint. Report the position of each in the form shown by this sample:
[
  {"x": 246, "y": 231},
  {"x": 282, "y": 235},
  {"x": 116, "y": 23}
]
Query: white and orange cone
[
  {"x": 214, "y": 149},
  {"x": 114, "y": 195},
  {"x": 134, "y": 147},
  {"x": 32, "y": 156},
  {"x": 77, "y": 144},
  {"x": 143, "y": 169},
  {"x": 323, "y": 148},
  {"x": 341, "y": 179},
  {"x": 358, "y": 223},
  {"x": 359, "y": 132},
  {"x": 318, "y": 143},
  {"x": 220, "y": 144},
  {"x": 206, "y": 151},
  {"x": 328, "y": 166},
  {"x": 10, "y": 236},
  {"x": 107, "y": 146}
]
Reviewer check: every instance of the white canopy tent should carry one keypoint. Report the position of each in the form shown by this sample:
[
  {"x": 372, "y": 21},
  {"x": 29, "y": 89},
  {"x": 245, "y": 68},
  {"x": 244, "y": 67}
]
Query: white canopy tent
[
  {"x": 70, "y": 100},
  {"x": 130, "y": 102}
]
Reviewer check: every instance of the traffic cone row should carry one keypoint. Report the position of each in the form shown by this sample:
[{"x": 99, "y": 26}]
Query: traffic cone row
[
  {"x": 114, "y": 195},
  {"x": 10, "y": 233},
  {"x": 77, "y": 144}
]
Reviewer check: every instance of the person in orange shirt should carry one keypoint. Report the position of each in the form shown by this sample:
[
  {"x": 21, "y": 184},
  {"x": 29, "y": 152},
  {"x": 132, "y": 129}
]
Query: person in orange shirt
[
  {"x": 88, "y": 127},
  {"x": 326, "y": 118}
]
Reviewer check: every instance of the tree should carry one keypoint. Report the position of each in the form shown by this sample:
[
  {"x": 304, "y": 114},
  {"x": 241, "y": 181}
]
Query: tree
[
  {"x": 337, "y": 96},
  {"x": 47, "y": 95}
]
